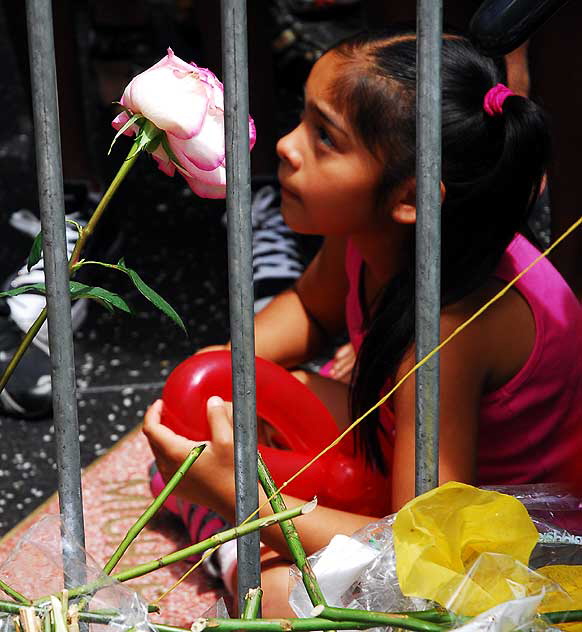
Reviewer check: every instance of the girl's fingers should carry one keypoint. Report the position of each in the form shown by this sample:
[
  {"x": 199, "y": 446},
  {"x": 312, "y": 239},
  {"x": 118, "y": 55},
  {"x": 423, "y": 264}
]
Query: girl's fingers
[
  {"x": 344, "y": 351},
  {"x": 161, "y": 437},
  {"x": 153, "y": 415},
  {"x": 219, "y": 420}
]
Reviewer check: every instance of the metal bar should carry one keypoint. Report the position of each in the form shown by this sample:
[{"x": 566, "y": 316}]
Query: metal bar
[
  {"x": 51, "y": 200},
  {"x": 238, "y": 201},
  {"x": 428, "y": 239}
]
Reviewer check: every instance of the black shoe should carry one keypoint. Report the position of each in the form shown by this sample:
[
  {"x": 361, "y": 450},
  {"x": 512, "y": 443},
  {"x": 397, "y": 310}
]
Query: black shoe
[{"x": 28, "y": 392}]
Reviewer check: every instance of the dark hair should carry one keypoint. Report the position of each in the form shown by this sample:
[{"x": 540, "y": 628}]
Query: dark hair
[{"x": 492, "y": 168}]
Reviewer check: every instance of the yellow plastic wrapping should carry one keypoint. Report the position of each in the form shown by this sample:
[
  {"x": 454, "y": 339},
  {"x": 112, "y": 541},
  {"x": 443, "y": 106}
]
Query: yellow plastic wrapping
[
  {"x": 570, "y": 580},
  {"x": 439, "y": 536}
]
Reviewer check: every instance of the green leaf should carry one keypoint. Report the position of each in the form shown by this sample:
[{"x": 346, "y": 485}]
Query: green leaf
[
  {"x": 152, "y": 295},
  {"x": 134, "y": 119},
  {"x": 35, "y": 252},
  {"x": 36, "y": 288},
  {"x": 108, "y": 299}
]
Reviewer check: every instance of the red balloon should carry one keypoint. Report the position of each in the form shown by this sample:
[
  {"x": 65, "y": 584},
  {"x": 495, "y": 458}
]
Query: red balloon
[{"x": 302, "y": 423}]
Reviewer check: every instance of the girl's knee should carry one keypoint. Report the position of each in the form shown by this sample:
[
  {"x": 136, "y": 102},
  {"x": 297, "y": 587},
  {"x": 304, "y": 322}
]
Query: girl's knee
[{"x": 275, "y": 585}]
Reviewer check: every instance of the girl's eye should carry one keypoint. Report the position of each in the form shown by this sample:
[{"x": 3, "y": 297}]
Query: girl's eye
[{"x": 324, "y": 137}]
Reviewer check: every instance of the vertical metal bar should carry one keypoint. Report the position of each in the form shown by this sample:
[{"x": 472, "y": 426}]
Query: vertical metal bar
[
  {"x": 428, "y": 238},
  {"x": 238, "y": 201},
  {"x": 51, "y": 199}
]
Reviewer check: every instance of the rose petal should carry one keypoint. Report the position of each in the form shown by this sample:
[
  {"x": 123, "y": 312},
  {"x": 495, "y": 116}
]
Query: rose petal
[
  {"x": 209, "y": 190},
  {"x": 215, "y": 87},
  {"x": 172, "y": 61},
  {"x": 163, "y": 160},
  {"x": 204, "y": 151},
  {"x": 252, "y": 133},
  {"x": 216, "y": 177},
  {"x": 172, "y": 100},
  {"x": 120, "y": 120}
]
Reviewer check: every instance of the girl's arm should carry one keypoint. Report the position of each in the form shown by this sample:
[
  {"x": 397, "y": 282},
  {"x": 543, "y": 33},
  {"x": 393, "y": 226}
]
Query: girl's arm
[
  {"x": 210, "y": 481},
  {"x": 297, "y": 322},
  {"x": 462, "y": 378}
]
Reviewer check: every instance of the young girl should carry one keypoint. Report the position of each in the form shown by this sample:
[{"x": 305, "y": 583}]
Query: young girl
[{"x": 511, "y": 384}]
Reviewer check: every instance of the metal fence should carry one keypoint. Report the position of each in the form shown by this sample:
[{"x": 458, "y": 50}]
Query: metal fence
[{"x": 234, "y": 39}]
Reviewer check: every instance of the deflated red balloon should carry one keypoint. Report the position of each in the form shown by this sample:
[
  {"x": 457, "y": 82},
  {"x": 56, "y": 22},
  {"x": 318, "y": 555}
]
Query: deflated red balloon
[{"x": 301, "y": 422}]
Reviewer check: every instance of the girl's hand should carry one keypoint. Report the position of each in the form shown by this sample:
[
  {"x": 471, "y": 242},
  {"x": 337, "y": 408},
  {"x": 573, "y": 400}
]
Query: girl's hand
[
  {"x": 343, "y": 363},
  {"x": 225, "y": 347},
  {"x": 210, "y": 481}
]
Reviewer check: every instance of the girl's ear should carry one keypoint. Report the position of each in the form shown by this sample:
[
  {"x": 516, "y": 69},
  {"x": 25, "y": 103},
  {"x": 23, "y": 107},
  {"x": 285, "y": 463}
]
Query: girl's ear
[
  {"x": 404, "y": 203},
  {"x": 404, "y": 208}
]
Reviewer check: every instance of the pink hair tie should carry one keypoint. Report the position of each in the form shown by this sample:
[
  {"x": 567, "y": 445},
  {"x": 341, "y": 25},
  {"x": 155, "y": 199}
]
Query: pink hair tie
[{"x": 494, "y": 99}]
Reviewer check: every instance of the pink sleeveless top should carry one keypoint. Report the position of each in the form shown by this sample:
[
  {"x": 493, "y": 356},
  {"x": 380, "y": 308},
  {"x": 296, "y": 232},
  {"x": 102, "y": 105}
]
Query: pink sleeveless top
[{"x": 526, "y": 428}]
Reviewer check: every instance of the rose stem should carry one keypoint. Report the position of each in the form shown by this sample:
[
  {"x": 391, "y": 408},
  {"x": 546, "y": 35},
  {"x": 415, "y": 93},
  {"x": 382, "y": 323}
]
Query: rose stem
[
  {"x": 152, "y": 509},
  {"x": 85, "y": 234},
  {"x": 279, "y": 624},
  {"x": 291, "y": 535},
  {"x": 252, "y": 603},
  {"x": 564, "y": 616},
  {"x": 276, "y": 625},
  {"x": 11, "y": 592},
  {"x": 377, "y": 618},
  {"x": 199, "y": 547},
  {"x": 217, "y": 624}
]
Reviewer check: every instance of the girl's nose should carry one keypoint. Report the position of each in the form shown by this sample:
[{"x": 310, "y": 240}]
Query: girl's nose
[{"x": 287, "y": 149}]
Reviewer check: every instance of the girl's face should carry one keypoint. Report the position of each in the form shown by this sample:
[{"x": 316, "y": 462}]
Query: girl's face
[{"x": 329, "y": 180}]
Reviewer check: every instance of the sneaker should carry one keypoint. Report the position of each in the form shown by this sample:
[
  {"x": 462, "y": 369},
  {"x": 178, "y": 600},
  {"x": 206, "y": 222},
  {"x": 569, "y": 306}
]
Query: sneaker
[
  {"x": 25, "y": 308},
  {"x": 277, "y": 260},
  {"x": 28, "y": 392}
]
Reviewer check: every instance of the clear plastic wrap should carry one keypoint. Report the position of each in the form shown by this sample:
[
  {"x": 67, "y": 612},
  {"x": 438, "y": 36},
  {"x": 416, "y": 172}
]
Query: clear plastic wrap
[
  {"x": 373, "y": 586},
  {"x": 337, "y": 567},
  {"x": 557, "y": 515},
  {"x": 549, "y": 503},
  {"x": 496, "y": 578},
  {"x": 518, "y": 614},
  {"x": 35, "y": 569},
  {"x": 490, "y": 578}
]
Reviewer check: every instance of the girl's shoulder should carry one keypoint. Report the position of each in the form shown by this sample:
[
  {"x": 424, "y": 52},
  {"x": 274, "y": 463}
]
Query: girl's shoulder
[
  {"x": 499, "y": 341},
  {"x": 539, "y": 306}
]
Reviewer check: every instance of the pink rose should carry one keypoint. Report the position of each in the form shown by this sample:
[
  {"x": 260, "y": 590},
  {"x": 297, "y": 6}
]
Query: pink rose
[{"x": 187, "y": 103}]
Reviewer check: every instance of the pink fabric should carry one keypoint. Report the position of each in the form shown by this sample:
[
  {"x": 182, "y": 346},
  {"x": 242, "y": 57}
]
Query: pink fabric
[
  {"x": 494, "y": 99},
  {"x": 526, "y": 427}
]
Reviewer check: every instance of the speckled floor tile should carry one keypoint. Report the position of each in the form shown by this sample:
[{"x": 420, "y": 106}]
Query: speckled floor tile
[{"x": 122, "y": 361}]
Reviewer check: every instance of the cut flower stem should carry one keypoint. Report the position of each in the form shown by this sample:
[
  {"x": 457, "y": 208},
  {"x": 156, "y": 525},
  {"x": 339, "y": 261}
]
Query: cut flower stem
[
  {"x": 291, "y": 536},
  {"x": 152, "y": 509},
  {"x": 178, "y": 556}
]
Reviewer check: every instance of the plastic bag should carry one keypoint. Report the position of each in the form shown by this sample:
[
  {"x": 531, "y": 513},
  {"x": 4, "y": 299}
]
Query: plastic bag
[
  {"x": 438, "y": 537},
  {"x": 519, "y": 614},
  {"x": 373, "y": 587},
  {"x": 35, "y": 569},
  {"x": 494, "y": 579},
  {"x": 548, "y": 502},
  {"x": 337, "y": 567}
]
